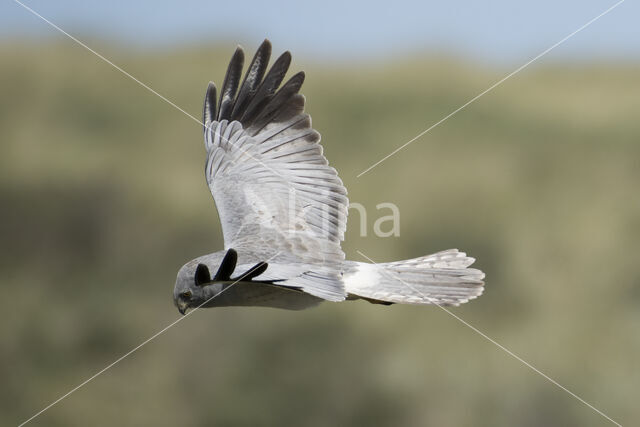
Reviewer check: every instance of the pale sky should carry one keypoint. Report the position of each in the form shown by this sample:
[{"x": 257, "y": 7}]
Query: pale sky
[{"x": 503, "y": 31}]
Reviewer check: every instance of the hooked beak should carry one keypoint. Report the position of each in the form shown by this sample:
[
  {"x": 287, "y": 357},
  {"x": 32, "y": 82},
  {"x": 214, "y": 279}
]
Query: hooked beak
[{"x": 182, "y": 307}]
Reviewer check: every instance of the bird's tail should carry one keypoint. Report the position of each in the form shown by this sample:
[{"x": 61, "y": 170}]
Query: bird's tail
[{"x": 443, "y": 278}]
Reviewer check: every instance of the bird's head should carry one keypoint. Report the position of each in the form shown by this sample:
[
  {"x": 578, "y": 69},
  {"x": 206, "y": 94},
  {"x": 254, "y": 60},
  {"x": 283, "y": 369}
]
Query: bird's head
[{"x": 195, "y": 285}]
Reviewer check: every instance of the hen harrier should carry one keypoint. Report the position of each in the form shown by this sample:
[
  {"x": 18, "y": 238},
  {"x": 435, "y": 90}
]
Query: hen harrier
[{"x": 283, "y": 210}]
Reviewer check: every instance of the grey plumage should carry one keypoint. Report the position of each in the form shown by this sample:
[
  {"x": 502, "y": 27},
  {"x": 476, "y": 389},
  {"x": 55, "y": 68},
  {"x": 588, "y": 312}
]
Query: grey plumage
[{"x": 283, "y": 209}]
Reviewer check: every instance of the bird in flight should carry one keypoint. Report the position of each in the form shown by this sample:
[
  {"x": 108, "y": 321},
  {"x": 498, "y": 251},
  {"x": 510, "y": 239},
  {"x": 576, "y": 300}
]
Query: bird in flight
[{"x": 283, "y": 210}]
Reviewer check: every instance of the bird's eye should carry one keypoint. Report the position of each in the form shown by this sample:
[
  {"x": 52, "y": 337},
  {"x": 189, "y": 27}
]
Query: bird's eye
[{"x": 186, "y": 295}]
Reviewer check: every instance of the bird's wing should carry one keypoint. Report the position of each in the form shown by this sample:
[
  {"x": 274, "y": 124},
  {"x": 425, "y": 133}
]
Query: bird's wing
[
  {"x": 321, "y": 281},
  {"x": 275, "y": 193}
]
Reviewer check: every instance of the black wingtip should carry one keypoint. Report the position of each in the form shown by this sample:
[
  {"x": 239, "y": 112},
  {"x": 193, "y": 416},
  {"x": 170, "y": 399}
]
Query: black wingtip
[
  {"x": 256, "y": 270},
  {"x": 227, "y": 266},
  {"x": 202, "y": 275},
  {"x": 238, "y": 56},
  {"x": 285, "y": 59},
  {"x": 266, "y": 43},
  {"x": 267, "y": 88},
  {"x": 252, "y": 79},
  {"x": 209, "y": 107},
  {"x": 230, "y": 85},
  {"x": 258, "y": 98}
]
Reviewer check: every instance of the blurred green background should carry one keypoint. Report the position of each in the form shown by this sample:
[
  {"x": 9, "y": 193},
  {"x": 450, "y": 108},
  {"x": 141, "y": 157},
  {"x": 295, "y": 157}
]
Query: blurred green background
[{"x": 103, "y": 199}]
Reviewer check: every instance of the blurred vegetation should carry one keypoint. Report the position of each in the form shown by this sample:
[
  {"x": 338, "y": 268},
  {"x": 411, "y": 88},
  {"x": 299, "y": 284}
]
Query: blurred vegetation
[{"x": 103, "y": 199}]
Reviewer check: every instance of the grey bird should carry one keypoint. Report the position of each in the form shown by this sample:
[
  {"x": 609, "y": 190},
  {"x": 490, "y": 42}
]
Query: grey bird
[{"x": 283, "y": 210}]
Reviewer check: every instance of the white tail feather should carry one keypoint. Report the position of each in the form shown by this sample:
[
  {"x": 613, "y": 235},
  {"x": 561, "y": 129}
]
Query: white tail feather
[{"x": 443, "y": 278}]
